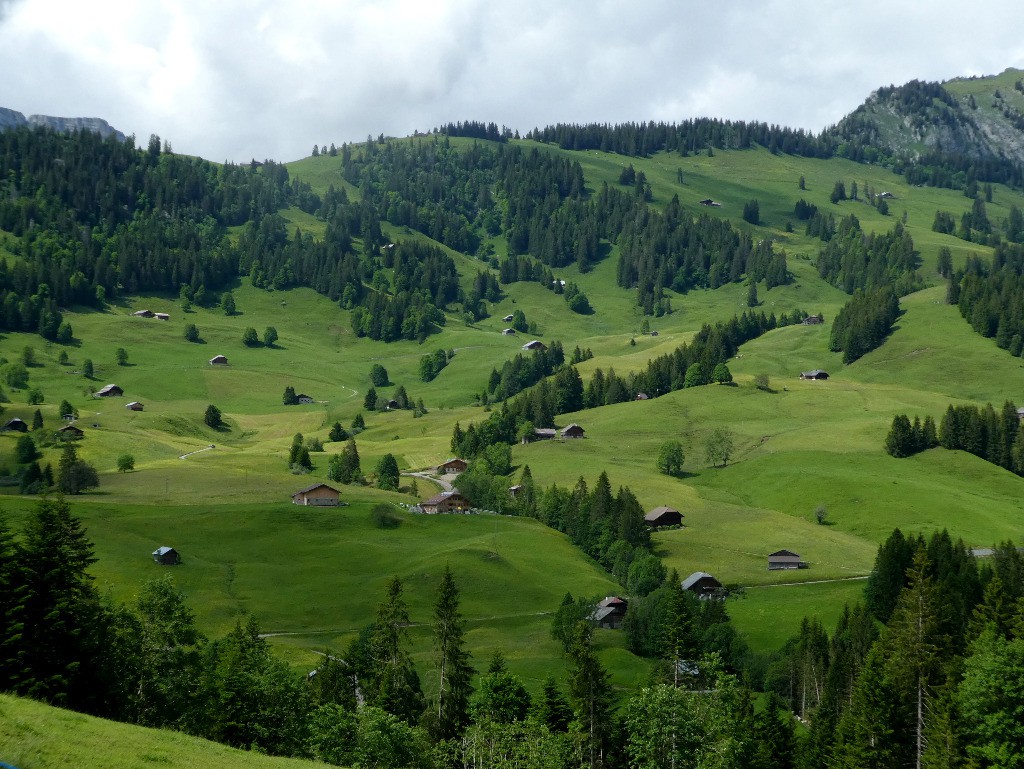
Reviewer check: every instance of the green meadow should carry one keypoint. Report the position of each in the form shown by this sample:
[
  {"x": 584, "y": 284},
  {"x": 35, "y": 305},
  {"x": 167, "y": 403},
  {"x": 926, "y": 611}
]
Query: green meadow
[
  {"x": 313, "y": 577},
  {"x": 39, "y": 736}
]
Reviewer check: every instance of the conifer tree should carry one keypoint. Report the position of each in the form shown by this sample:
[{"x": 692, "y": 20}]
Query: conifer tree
[
  {"x": 454, "y": 669},
  {"x": 591, "y": 694},
  {"x": 60, "y": 609},
  {"x": 394, "y": 685},
  {"x": 11, "y": 606}
]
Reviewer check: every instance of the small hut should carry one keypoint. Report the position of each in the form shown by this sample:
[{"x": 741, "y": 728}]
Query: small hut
[{"x": 166, "y": 556}]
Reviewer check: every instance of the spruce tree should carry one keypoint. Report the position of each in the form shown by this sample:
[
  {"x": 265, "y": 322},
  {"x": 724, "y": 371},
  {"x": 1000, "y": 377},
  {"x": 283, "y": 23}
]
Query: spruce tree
[
  {"x": 12, "y": 595},
  {"x": 394, "y": 685},
  {"x": 453, "y": 666},
  {"x": 60, "y": 609},
  {"x": 591, "y": 694}
]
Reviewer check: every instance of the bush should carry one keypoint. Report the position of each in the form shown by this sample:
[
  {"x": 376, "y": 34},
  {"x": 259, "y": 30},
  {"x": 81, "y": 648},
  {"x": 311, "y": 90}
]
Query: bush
[
  {"x": 385, "y": 517},
  {"x": 125, "y": 462}
]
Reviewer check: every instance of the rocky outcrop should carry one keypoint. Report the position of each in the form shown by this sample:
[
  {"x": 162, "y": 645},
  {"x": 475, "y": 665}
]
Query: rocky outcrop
[{"x": 11, "y": 119}]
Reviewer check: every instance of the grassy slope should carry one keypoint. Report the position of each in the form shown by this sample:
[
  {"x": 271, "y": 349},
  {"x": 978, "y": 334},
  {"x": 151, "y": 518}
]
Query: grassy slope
[
  {"x": 808, "y": 444},
  {"x": 37, "y": 736}
]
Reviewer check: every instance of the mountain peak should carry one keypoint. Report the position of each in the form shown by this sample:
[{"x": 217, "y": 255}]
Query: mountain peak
[{"x": 10, "y": 118}]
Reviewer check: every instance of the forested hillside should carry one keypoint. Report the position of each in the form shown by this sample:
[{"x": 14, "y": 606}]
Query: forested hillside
[{"x": 729, "y": 322}]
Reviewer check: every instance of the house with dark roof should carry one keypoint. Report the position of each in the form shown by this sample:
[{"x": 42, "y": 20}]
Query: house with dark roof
[
  {"x": 535, "y": 344},
  {"x": 609, "y": 612},
  {"x": 813, "y": 320},
  {"x": 134, "y": 406},
  {"x": 304, "y": 399},
  {"x": 219, "y": 360},
  {"x": 507, "y": 319},
  {"x": 16, "y": 424},
  {"x": 143, "y": 313},
  {"x": 784, "y": 559},
  {"x": 161, "y": 316},
  {"x": 704, "y": 585},
  {"x": 319, "y": 495},
  {"x": 663, "y": 516},
  {"x": 508, "y": 332},
  {"x": 815, "y": 374},
  {"x": 70, "y": 433},
  {"x": 641, "y": 397},
  {"x": 166, "y": 556},
  {"x": 446, "y": 502},
  {"x": 108, "y": 391},
  {"x": 710, "y": 202},
  {"x": 572, "y": 431}
]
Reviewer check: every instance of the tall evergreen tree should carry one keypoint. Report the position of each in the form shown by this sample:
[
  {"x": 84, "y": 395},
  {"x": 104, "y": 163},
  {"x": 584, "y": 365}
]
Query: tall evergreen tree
[
  {"x": 394, "y": 685},
  {"x": 12, "y": 595},
  {"x": 591, "y": 695},
  {"x": 61, "y": 609},
  {"x": 453, "y": 666}
]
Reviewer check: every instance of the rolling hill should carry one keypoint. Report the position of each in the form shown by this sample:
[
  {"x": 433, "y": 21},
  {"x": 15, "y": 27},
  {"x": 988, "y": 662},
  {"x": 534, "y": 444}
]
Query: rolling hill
[{"x": 313, "y": 577}]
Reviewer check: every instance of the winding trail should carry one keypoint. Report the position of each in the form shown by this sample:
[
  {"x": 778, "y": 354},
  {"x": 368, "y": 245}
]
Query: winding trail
[{"x": 445, "y": 485}]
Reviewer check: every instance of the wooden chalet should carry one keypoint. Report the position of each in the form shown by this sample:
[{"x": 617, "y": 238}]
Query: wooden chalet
[
  {"x": 573, "y": 431},
  {"x": 507, "y": 319},
  {"x": 513, "y": 491},
  {"x": 710, "y": 202},
  {"x": 166, "y": 556},
  {"x": 108, "y": 391},
  {"x": 535, "y": 344},
  {"x": 134, "y": 406},
  {"x": 609, "y": 612},
  {"x": 15, "y": 425},
  {"x": 813, "y": 320},
  {"x": 703, "y": 585},
  {"x": 663, "y": 516},
  {"x": 784, "y": 559},
  {"x": 304, "y": 399},
  {"x": 815, "y": 374},
  {"x": 143, "y": 313},
  {"x": 641, "y": 397},
  {"x": 446, "y": 502},
  {"x": 161, "y": 316},
  {"x": 219, "y": 360},
  {"x": 318, "y": 495},
  {"x": 508, "y": 332},
  {"x": 453, "y": 465},
  {"x": 70, "y": 433}
]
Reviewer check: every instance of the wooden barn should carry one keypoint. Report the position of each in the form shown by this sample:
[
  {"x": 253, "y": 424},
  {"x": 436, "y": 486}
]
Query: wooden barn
[
  {"x": 535, "y": 344},
  {"x": 108, "y": 391},
  {"x": 784, "y": 559},
  {"x": 134, "y": 406},
  {"x": 816, "y": 374},
  {"x": 166, "y": 556},
  {"x": 319, "y": 495},
  {"x": 573, "y": 431},
  {"x": 16, "y": 425},
  {"x": 70, "y": 433},
  {"x": 704, "y": 585},
  {"x": 219, "y": 360},
  {"x": 609, "y": 612},
  {"x": 663, "y": 516}
]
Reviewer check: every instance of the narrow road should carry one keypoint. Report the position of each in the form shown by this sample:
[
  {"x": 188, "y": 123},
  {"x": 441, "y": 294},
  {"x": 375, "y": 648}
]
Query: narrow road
[
  {"x": 445, "y": 485},
  {"x": 197, "y": 451}
]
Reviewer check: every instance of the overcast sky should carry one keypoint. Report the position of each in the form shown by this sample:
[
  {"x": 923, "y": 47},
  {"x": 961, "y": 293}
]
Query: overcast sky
[{"x": 233, "y": 80}]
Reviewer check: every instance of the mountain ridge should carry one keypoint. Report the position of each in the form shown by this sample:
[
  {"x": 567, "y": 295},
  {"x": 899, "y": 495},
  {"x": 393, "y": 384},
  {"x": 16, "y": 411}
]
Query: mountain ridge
[{"x": 10, "y": 118}]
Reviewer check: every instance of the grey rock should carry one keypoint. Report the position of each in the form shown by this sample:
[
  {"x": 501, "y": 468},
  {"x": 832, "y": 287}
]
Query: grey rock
[{"x": 9, "y": 118}]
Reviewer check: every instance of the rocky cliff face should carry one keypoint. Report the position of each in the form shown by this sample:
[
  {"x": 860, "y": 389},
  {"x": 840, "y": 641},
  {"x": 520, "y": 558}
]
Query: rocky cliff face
[{"x": 11, "y": 119}]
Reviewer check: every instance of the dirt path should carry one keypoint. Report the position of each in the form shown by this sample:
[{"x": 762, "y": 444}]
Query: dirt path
[
  {"x": 445, "y": 485},
  {"x": 197, "y": 451}
]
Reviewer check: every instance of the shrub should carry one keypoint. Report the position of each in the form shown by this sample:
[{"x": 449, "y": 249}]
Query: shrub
[{"x": 385, "y": 517}]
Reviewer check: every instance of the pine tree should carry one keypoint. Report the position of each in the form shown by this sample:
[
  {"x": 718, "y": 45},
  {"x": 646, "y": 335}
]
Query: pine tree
[
  {"x": 388, "y": 475},
  {"x": 454, "y": 669},
  {"x": 12, "y": 593},
  {"x": 61, "y": 609},
  {"x": 591, "y": 694},
  {"x": 394, "y": 685}
]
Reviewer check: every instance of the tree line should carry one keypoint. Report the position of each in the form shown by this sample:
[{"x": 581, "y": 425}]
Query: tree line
[{"x": 995, "y": 436}]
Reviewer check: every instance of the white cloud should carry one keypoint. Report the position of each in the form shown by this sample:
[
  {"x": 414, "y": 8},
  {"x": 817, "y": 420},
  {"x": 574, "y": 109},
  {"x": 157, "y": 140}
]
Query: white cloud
[{"x": 234, "y": 80}]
